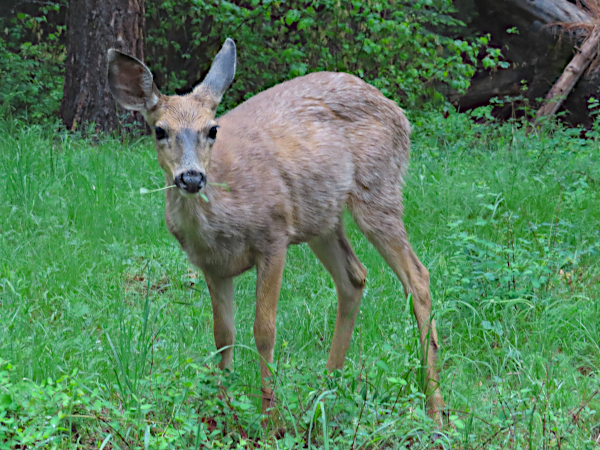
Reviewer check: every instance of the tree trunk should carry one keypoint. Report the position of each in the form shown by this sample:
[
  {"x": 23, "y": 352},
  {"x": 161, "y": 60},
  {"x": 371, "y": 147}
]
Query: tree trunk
[
  {"x": 94, "y": 26},
  {"x": 571, "y": 75}
]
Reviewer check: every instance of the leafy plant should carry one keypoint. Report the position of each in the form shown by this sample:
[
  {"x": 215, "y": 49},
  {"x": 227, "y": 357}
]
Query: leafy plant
[
  {"x": 31, "y": 64},
  {"x": 401, "y": 47},
  {"x": 391, "y": 44}
]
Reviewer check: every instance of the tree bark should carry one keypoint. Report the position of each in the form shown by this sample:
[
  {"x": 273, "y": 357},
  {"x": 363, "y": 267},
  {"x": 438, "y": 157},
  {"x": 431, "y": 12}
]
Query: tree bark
[
  {"x": 571, "y": 75},
  {"x": 551, "y": 11},
  {"x": 94, "y": 26}
]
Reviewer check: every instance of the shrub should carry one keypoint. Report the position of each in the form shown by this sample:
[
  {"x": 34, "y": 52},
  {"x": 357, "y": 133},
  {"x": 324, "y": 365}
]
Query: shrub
[
  {"x": 391, "y": 44},
  {"x": 401, "y": 47},
  {"x": 31, "y": 64}
]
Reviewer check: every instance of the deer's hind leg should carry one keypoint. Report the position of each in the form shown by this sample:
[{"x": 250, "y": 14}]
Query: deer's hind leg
[
  {"x": 349, "y": 275},
  {"x": 383, "y": 226}
]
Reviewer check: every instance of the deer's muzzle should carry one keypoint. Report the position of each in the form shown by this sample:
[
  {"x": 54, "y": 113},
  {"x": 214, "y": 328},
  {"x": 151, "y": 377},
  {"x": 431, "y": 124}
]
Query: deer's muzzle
[{"x": 191, "y": 181}]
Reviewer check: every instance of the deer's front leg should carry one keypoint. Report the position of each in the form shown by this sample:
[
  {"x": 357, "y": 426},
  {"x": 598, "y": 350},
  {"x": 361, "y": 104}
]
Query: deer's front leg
[
  {"x": 221, "y": 297},
  {"x": 269, "y": 271}
]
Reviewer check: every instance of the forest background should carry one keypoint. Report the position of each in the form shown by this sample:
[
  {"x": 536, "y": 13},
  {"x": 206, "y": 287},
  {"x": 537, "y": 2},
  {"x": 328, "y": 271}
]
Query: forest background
[{"x": 105, "y": 328}]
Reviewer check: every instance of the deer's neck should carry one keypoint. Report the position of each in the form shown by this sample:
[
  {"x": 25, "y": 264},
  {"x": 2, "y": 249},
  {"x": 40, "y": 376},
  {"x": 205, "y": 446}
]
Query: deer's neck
[
  {"x": 208, "y": 233},
  {"x": 189, "y": 217}
]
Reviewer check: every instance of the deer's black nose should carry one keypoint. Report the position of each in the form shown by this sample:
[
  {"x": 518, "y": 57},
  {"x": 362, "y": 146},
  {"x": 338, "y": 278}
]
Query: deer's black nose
[{"x": 191, "y": 181}]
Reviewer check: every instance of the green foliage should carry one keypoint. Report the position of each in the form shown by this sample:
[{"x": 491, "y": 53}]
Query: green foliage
[
  {"x": 517, "y": 267},
  {"x": 186, "y": 405},
  {"x": 31, "y": 64},
  {"x": 401, "y": 47},
  {"x": 391, "y": 44}
]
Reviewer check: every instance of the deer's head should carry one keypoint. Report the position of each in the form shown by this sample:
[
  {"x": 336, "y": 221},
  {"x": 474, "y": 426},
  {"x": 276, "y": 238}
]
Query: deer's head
[{"x": 184, "y": 126}]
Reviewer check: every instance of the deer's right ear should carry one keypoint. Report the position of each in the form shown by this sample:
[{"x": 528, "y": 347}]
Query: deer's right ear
[
  {"x": 221, "y": 73},
  {"x": 131, "y": 82}
]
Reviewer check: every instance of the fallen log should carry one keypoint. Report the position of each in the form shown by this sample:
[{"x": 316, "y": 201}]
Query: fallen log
[{"x": 552, "y": 11}]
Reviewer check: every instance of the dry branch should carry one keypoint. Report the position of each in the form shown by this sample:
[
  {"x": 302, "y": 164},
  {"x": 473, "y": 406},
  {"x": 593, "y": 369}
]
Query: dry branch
[{"x": 571, "y": 74}]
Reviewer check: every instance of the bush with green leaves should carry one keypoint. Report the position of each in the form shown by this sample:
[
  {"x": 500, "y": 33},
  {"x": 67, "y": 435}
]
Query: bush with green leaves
[
  {"x": 31, "y": 64},
  {"x": 402, "y": 47},
  {"x": 395, "y": 45}
]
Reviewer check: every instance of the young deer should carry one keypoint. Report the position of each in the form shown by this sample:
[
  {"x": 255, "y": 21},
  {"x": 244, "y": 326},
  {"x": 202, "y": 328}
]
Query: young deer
[{"x": 292, "y": 157}]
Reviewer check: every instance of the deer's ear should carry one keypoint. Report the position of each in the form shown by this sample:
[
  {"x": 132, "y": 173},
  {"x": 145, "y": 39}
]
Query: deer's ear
[
  {"x": 221, "y": 72},
  {"x": 131, "y": 82}
]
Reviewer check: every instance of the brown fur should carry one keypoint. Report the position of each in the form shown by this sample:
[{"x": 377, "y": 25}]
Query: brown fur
[{"x": 293, "y": 157}]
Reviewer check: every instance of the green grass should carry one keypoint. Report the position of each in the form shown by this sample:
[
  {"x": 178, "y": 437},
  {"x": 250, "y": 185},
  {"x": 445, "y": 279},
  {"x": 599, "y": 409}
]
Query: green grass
[{"x": 106, "y": 329}]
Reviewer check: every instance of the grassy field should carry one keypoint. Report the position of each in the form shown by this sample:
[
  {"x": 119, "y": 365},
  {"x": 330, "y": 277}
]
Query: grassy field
[{"x": 106, "y": 329}]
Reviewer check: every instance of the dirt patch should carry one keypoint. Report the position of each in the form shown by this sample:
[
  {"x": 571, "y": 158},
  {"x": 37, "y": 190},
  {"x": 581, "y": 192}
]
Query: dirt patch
[{"x": 138, "y": 283}]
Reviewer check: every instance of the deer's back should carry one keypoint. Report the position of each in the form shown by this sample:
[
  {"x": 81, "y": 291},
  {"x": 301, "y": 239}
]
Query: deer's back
[{"x": 304, "y": 146}]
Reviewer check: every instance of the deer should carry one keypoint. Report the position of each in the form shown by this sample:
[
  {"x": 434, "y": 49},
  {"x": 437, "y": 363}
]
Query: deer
[{"x": 293, "y": 158}]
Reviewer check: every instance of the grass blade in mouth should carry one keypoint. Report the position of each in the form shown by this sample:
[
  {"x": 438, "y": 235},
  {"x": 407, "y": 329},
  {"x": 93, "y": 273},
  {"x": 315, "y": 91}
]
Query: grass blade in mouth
[
  {"x": 223, "y": 185},
  {"x": 148, "y": 191},
  {"x": 144, "y": 190}
]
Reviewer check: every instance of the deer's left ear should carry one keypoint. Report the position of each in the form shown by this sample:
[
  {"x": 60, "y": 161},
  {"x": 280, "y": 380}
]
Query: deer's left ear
[
  {"x": 221, "y": 72},
  {"x": 131, "y": 82}
]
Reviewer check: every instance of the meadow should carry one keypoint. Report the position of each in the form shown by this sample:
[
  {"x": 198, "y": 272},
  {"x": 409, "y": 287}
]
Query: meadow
[{"x": 106, "y": 329}]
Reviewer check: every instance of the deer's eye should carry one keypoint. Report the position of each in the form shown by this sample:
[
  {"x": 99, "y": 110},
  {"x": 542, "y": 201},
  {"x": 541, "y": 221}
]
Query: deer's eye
[
  {"x": 212, "y": 133},
  {"x": 160, "y": 133}
]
